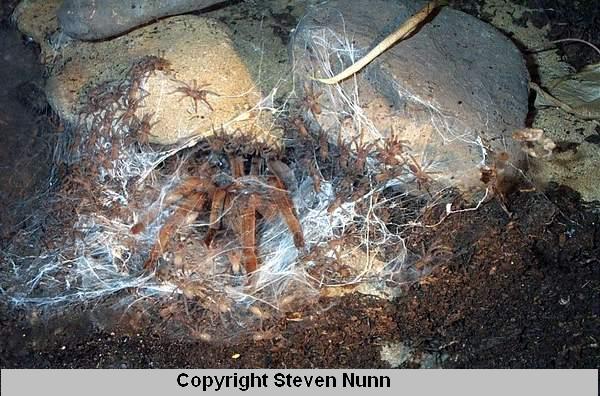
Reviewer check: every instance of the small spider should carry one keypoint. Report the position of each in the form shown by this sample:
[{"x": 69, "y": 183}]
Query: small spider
[
  {"x": 143, "y": 132},
  {"x": 422, "y": 176},
  {"x": 495, "y": 179},
  {"x": 196, "y": 93},
  {"x": 148, "y": 65},
  {"x": 362, "y": 150},
  {"x": 311, "y": 99},
  {"x": 302, "y": 130},
  {"x": 392, "y": 150}
]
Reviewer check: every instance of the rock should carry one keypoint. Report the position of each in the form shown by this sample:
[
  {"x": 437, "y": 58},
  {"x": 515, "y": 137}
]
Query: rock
[
  {"x": 37, "y": 19},
  {"x": 92, "y": 20},
  {"x": 199, "y": 49},
  {"x": 580, "y": 92},
  {"x": 454, "y": 91}
]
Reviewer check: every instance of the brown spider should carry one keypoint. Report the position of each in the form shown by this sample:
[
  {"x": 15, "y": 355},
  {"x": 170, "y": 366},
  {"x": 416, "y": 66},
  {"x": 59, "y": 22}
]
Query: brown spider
[
  {"x": 148, "y": 65},
  {"x": 302, "y": 130},
  {"x": 234, "y": 199},
  {"x": 422, "y": 176},
  {"x": 311, "y": 99},
  {"x": 392, "y": 150},
  {"x": 323, "y": 146},
  {"x": 196, "y": 93},
  {"x": 143, "y": 132},
  {"x": 363, "y": 150},
  {"x": 495, "y": 179}
]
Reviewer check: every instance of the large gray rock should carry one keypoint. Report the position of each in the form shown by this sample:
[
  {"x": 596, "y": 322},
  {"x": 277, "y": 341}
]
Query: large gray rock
[
  {"x": 95, "y": 20},
  {"x": 455, "y": 90}
]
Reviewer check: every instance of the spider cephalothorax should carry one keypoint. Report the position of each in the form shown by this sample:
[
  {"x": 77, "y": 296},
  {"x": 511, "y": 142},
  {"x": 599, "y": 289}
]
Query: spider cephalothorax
[{"x": 235, "y": 181}]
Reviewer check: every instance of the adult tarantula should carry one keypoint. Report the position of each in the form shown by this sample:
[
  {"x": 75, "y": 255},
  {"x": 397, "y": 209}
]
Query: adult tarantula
[{"x": 236, "y": 181}]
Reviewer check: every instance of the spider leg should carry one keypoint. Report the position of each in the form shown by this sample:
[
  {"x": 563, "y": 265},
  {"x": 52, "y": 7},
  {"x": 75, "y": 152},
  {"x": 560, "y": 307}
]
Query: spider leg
[
  {"x": 255, "y": 166},
  {"x": 285, "y": 206},
  {"x": 161, "y": 244},
  {"x": 189, "y": 185},
  {"x": 248, "y": 237},
  {"x": 192, "y": 203},
  {"x": 203, "y": 99},
  {"x": 237, "y": 166},
  {"x": 266, "y": 209},
  {"x": 216, "y": 213},
  {"x": 283, "y": 173}
]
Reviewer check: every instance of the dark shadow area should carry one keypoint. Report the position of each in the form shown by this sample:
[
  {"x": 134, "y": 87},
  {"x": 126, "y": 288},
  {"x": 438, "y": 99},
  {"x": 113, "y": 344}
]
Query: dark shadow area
[{"x": 27, "y": 131}]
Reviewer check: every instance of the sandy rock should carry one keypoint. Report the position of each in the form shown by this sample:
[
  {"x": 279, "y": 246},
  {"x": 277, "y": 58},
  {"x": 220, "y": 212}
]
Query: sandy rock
[
  {"x": 455, "y": 90},
  {"x": 200, "y": 51},
  {"x": 576, "y": 168}
]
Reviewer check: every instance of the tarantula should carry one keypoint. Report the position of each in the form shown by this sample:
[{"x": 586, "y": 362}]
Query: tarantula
[
  {"x": 196, "y": 92},
  {"x": 231, "y": 196}
]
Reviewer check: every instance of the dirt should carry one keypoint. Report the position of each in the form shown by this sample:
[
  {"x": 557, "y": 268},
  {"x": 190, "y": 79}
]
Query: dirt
[
  {"x": 523, "y": 291},
  {"x": 520, "y": 288}
]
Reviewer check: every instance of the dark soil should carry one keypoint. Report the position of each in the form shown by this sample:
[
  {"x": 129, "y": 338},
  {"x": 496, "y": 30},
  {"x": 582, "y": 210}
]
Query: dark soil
[
  {"x": 523, "y": 292},
  {"x": 518, "y": 291}
]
